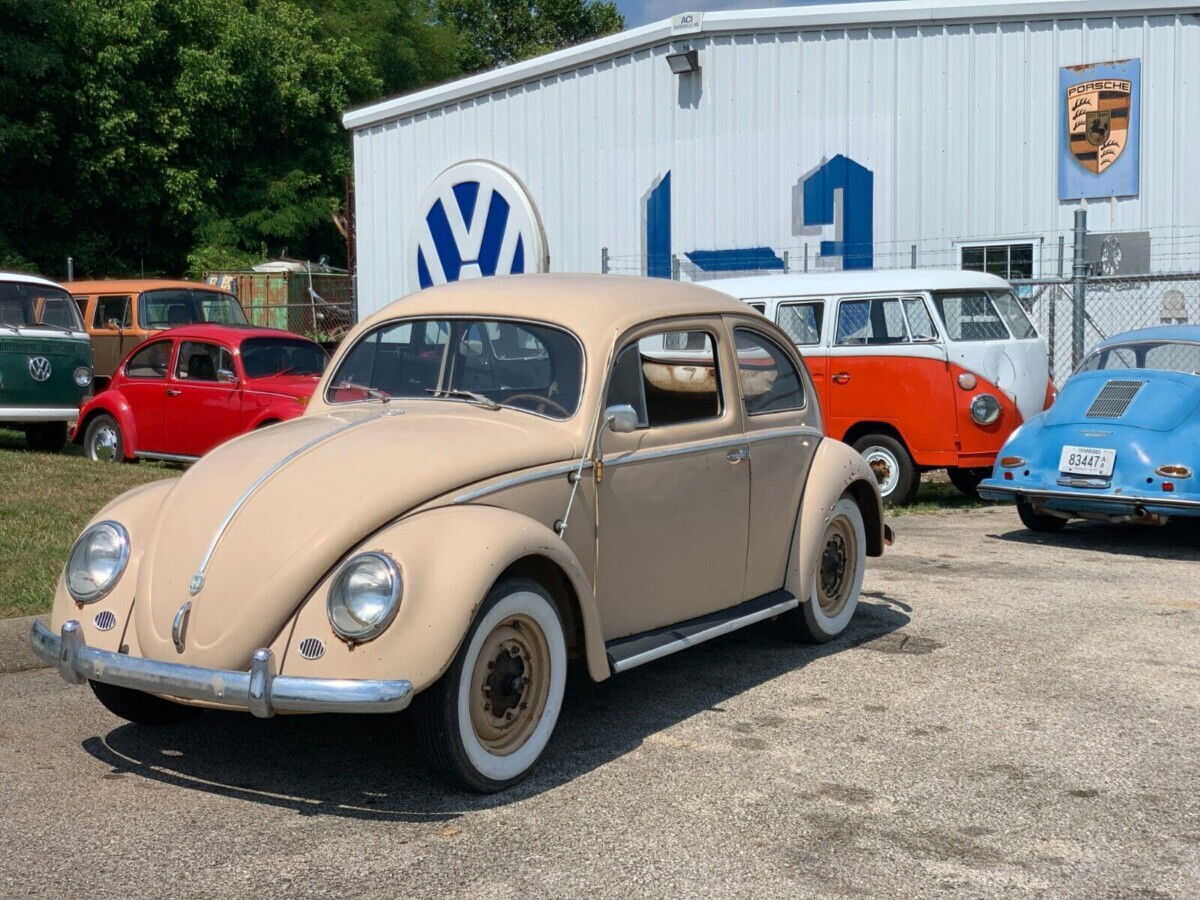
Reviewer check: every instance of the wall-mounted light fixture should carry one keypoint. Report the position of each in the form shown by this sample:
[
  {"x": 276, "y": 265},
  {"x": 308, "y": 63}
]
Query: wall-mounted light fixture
[{"x": 685, "y": 62}]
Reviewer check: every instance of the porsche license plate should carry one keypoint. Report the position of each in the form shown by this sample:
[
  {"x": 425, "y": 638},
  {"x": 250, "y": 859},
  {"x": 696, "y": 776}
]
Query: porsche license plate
[{"x": 1087, "y": 461}]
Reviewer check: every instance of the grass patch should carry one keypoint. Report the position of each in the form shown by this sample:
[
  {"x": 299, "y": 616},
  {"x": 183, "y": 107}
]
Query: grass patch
[
  {"x": 46, "y": 501},
  {"x": 936, "y": 494}
]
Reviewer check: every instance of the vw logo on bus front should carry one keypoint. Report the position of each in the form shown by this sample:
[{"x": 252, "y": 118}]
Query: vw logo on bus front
[{"x": 39, "y": 368}]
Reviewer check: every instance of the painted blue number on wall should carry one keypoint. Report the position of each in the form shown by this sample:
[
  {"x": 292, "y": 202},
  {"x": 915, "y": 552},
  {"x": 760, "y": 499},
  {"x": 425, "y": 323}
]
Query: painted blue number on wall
[{"x": 843, "y": 178}]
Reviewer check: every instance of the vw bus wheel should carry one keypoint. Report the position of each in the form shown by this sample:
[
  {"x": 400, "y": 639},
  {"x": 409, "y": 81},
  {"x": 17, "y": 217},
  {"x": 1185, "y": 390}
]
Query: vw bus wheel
[
  {"x": 46, "y": 437},
  {"x": 837, "y": 581},
  {"x": 102, "y": 442},
  {"x": 138, "y": 707},
  {"x": 486, "y": 721},
  {"x": 892, "y": 466}
]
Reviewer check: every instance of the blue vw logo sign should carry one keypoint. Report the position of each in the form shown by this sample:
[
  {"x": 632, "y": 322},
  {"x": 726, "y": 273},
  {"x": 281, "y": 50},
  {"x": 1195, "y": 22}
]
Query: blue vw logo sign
[{"x": 476, "y": 219}]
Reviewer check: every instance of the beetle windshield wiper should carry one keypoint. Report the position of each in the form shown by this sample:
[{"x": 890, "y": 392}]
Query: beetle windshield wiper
[{"x": 464, "y": 394}]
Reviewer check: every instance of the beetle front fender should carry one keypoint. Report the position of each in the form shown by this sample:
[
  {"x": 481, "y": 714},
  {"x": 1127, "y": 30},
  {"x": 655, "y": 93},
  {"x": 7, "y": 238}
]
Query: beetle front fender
[
  {"x": 449, "y": 557},
  {"x": 117, "y": 407},
  {"x": 836, "y": 469}
]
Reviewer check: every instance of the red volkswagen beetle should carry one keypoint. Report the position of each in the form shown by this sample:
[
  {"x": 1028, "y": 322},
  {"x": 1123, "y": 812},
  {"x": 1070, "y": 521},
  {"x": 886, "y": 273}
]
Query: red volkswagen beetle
[{"x": 179, "y": 394}]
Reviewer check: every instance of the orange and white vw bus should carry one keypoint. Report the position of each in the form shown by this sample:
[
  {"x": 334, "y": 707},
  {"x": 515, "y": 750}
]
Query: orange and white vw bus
[{"x": 918, "y": 369}]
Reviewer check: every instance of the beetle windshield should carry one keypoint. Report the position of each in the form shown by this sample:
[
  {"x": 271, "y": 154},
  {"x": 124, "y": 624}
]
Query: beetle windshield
[
  {"x": 982, "y": 316},
  {"x": 24, "y": 304},
  {"x": 1166, "y": 356},
  {"x": 185, "y": 306},
  {"x": 268, "y": 357},
  {"x": 522, "y": 365}
]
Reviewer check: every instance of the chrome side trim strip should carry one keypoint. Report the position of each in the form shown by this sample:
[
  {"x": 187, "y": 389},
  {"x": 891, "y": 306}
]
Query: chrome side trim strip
[
  {"x": 999, "y": 492},
  {"x": 667, "y": 452},
  {"x": 165, "y": 457},
  {"x": 700, "y": 637},
  {"x": 261, "y": 690},
  {"x": 197, "y": 581},
  {"x": 526, "y": 478},
  {"x": 38, "y": 413},
  {"x": 794, "y": 431}
]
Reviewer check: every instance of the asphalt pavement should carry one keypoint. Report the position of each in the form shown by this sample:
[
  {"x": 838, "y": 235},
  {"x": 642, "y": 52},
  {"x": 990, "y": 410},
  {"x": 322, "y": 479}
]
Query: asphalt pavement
[{"x": 1009, "y": 715}]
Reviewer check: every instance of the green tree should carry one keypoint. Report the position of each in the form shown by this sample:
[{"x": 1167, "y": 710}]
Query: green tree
[{"x": 499, "y": 32}]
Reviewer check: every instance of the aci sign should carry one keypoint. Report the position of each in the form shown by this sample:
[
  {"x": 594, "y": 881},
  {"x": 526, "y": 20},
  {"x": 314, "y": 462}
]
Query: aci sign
[{"x": 476, "y": 219}]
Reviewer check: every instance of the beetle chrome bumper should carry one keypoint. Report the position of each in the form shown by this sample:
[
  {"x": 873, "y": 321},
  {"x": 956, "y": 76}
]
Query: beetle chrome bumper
[
  {"x": 1050, "y": 497},
  {"x": 259, "y": 690}
]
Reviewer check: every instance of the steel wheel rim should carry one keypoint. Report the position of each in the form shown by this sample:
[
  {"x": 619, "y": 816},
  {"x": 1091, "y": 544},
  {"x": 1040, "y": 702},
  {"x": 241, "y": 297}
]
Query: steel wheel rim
[
  {"x": 105, "y": 444},
  {"x": 510, "y": 684},
  {"x": 835, "y": 568},
  {"x": 885, "y": 466}
]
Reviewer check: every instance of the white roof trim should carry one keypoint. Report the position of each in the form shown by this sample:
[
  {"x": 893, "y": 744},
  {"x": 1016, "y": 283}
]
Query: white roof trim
[
  {"x": 29, "y": 279},
  {"x": 898, "y": 12}
]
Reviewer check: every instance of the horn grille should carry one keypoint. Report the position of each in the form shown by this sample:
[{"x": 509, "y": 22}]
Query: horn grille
[
  {"x": 1114, "y": 398},
  {"x": 105, "y": 620},
  {"x": 312, "y": 648}
]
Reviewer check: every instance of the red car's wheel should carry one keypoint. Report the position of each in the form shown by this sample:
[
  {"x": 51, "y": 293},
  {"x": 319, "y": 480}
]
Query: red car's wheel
[{"x": 103, "y": 442}]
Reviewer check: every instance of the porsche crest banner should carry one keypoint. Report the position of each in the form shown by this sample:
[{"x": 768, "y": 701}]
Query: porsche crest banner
[{"x": 1099, "y": 131}]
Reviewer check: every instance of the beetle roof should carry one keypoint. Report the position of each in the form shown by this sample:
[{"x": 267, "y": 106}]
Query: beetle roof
[
  {"x": 136, "y": 285},
  {"x": 234, "y": 334},
  {"x": 595, "y": 307},
  {"x": 1157, "y": 333},
  {"x": 857, "y": 282}
]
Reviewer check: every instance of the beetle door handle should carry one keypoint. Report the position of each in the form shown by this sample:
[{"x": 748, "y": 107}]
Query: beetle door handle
[
  {"x": 172, "y": 392},
  {"x": 841, "y": 378},
  {"x": 737, "y": 455}
]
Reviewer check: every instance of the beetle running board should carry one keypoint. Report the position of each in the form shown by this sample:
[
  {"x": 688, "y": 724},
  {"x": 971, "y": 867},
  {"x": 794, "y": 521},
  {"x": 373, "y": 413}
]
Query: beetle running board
[{"x": 628, "y": 652}]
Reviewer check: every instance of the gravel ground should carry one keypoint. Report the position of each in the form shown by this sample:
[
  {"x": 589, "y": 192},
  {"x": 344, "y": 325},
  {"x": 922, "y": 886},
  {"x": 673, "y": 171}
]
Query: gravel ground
[{"x": 1008, "y": 716}]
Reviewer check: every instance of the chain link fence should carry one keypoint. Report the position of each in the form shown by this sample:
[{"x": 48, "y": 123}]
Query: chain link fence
[{"x": 318, "y": 305}]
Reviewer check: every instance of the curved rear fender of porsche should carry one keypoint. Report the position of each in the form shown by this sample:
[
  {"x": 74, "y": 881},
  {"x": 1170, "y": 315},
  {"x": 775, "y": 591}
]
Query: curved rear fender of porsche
[
  {"x": 137, "y": 509},
  {"x": 449, "y": 557},
  {"x": 117, "y": 407},
  {"x": 836, "y": 470}
]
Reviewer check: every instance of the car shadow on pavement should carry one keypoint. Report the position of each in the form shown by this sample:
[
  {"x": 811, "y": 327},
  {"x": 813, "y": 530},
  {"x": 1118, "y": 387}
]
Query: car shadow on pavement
[
  {"x": 1178, "y": 540},
  {"x": 367, "y": 767}
]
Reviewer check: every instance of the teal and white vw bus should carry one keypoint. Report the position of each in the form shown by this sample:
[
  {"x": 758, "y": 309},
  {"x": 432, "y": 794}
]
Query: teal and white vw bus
[{"x": 45, "y": 360}]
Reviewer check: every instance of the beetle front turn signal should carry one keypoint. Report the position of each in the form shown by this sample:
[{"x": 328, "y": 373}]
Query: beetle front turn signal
[{"x": 1011, "y": 462}]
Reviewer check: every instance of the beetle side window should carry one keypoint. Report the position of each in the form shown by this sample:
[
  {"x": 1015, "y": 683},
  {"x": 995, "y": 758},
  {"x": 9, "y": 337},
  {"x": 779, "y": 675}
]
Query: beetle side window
[
  {"x": 770, "y": 382},
  {"x": 802, "y": 321},
  {"x": 202, "y": 362},
  {"x": 149, "y": 362},
  {"x": 668, "y": 378},
  {"x": 875, "y": 322}
]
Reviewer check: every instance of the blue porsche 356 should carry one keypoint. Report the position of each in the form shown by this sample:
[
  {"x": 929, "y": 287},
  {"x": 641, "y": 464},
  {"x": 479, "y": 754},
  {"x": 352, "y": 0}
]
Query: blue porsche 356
[{"x": 1121, "y": 443}]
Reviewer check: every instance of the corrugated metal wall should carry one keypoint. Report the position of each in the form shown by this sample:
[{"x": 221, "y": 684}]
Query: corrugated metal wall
[{"x": 959, "y": 124}]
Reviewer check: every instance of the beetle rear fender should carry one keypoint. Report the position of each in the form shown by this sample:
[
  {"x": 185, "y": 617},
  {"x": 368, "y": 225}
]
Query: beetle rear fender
[
  {"x": 117, "y": 407},
  {"x": 836, "y": 470},
  {"x": 449, "y": 558}
]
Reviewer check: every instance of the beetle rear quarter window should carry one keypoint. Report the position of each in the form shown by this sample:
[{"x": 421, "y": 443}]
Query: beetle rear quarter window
[
  {"x": 199, "y": 361},
  {"x": 770, "y": 382},
  {"x": 668, "y": 378}
]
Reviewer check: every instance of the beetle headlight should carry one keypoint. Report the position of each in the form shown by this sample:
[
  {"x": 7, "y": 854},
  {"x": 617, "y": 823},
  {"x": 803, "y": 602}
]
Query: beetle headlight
[
  {"x": 364, "y": 597},
  {"x": 97, "y": 561},
  {"x": 985, "y": 409}
]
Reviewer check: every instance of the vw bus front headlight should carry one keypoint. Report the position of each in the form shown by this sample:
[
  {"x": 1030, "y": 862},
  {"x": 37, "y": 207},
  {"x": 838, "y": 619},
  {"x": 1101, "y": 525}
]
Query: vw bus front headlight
[
  {"x": 364, "y": 597},
  {"x": 97, "y": 561},
  {"x": 83, "y": 376},
  {"x": 985, "y": 409}
]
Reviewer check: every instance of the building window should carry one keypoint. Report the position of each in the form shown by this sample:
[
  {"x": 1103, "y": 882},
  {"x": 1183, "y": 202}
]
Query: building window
[{"x": 1006, "y": 260}]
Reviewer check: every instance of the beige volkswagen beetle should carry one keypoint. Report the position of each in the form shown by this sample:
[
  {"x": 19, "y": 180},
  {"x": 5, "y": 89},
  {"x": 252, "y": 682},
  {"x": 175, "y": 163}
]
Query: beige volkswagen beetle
[{"x": 496, "y": 477}]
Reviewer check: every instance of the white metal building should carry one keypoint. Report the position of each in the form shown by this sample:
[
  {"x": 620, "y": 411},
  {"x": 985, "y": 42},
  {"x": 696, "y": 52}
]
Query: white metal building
[{"x": 834, "y": 136}]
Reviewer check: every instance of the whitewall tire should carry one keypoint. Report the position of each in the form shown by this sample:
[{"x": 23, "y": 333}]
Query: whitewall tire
[
  {"x": 487, "y": 720},
  {"x": 837, "y": 579}
]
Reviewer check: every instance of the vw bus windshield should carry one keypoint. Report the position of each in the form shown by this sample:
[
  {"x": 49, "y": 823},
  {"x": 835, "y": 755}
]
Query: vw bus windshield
[
  {"x": 30, "y": 305},
  {"x": 1165, "y": 356},
  {"x": 982, "y": 316},
  {"x": 170, "y": 307},
  {"x": 491, "y": 362}
]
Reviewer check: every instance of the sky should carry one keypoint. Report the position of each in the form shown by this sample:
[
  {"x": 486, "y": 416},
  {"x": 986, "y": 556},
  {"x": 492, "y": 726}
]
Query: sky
[{"x": 639, "y": 12}]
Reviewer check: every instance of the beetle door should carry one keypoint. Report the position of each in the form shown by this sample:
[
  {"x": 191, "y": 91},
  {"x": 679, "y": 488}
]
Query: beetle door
[
  {"x": 673, "y": 495},
  {"x": 144, "y": 387},
  {"x": 204, "y": 400}
]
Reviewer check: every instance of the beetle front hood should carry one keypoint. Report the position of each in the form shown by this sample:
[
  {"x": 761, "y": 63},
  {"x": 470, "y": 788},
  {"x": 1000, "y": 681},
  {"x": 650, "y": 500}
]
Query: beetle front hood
[{"x": 262, "y": 518}]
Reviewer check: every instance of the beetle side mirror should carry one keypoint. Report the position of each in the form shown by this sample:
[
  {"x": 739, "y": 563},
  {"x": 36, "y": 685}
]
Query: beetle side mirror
[
  {"x": 226, "y": 377},
  {"x": 621, "y": 418}
]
